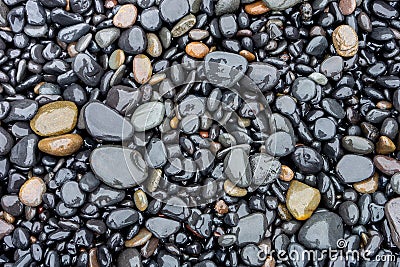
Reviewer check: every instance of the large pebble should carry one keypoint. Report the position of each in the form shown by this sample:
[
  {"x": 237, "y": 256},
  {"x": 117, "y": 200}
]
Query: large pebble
[
  {"x": 302, "y": 200},
  {"x": 6, "y": 142},
  {"x": 87, "y": 69},
  {"x": 32, "y": 191},
  {"x": 357, "y": 144},
  {"x": 162, "y": 227},
  {"x": 264, "y": 75},
  {"x": 345, "y": 40},
  {"x": 346, "y": 170},
  {"x": 61, "y": 146},
  {"x": 173, "y": 10},
  {"x": 121, "y": 218},
  {"x": 148, "y": 116},
  {"x": 386, "y": 164},
  {"x": 55, "y": 118},
  {"x": 125, "y": 16},
  {"x": 279, "y": 144},
  {"x": 133, "y": 40},
  {"x": 25, "y": 152},
  {"x": 142, "y": 68},
  {"x": 250, "y": 229},
  {"x": 106, "y": 124},
  {"x": 237, "y": 167},
  {"x": 118, "y": 167}
]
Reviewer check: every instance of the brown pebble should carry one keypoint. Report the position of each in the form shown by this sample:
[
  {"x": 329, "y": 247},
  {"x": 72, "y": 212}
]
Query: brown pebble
[
  {"x": 283, "y": 212},
  {"x": 174, "y": 123},
  {"x": 71, "y": 50},
  {"x": 286, "y": 174},
  {"x": 110, "y": 4},
  {"x": 140, "y": 200},
  {"x": 93, "y": 262},
  {"x": 385, "y": 145},
  {"x": 154, "y": 46},
  {"x": 31, "y": 192},
  {"x": 368, "y": 186},
  {"x": 151, "y": 246},
  {"x": 197, "y": 49},
  {"x": 233, "y": 190},
  {"x": 247, "y": 55},
  {"x": 63, "y": 145},
  {"x": 384, "y": 105},
  {"x": 55, "y": 118},
  {"x": 8, "y": 217},
  {"x": 140, "y": 239},
  {"x": 345, "y": 41},
  {"x": 221, "y": 207},
  {"x": 302, "y": 200},
  {"x": 203, "y": 134},
  {"x": 256, "y": 8},
  {"x": 37, "y": 87},
  {"x": 5, "y": 228},
  {"x": 126, "y": 16},
  {"x": 142, "y": 68},
  {"x": 117, "y": 59},
  {"x": 347, "y": 7}
]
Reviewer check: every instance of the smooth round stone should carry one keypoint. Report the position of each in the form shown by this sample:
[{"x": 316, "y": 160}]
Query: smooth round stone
[
  {"x": 346, "y": 170},
  {"x": 190, "y": 124},
  {"x": 224, "y": 69},
  {"x": 125, "y": 16},
  {"x": 364, "y": 22},
  {"x": 347, "y": 7},
  {"x": 384, "y": 10},
  {"x": 80, "y": 6},
  {"x": 32, "y": 191},
  {"x": 307, "y": 159},
  {"x": 61, "y": 146},
  {"x": 106, "y": 124},
  {"x": 55, "y": 118},
  {"x": 345, "y": 40},
  {"x": 73, "y": 33},
  {"x": 281, "y": 4},
  {"x": 173, "y": 10},
  {"x": 197, "y": 50},
  {"x": 387, "y": 165},
  {"x": 228, "y": 25},
  {"x": 349, "y": 212},
  {"x": 302, "y": 200},
  {"x": 24, "y": 153},
  {"x": 156, "y": 154},
  {"x": 154, "y": 46},
  {"x": 105, "y": 196},
  {"x": 133, "y": 40},
  {"x": 129, "y": 258},
  {"x": 129, "y": 168},
  {"x": 104, "y": 38},
  {"x": 324, "y": 129},
  {"x": 35, "y": 13},
  {"x": 12, "y": 205},
  {"x": 87, "y": 69},
  {"x": 21, "y": 110},
  {"x": 150, "y": 19},
  {"x": 304, "y": 89},
  {"x": 395, "y": 183},
  {"x": 117, "y": 59},
  {"x": 165, "y": 37},
  {"x": 264, "y": 75},
  {"x": 142, "y": 69},
  {"x": 192, "y": 105},
  {"x": 333, "y": 107},
  {"x": 20, "y": 238},
  {"x": 162, "y": 227},
  {"x": 6, "y": 142},
  {"x": 279, "y": 144},
  {"x": 321, "y": 231},
  {"x": 332, "y": 66},
  {"x": 120, "y": 97},
  {"x": 393, "y": 217},
  {"x": 148, "y": 116},
  {"x": 317, "y": 46},
  {"x": 250, "y": 229},
  {"x": 198, "y": 34},
  {"x": 89, "y": 182},
  {"x": 318, "y": 78},
  {"x": 140, "y": 239},
  {"x": 367, "y": 186},
  {"x": 381, "y": 34},
  {"x": 3, "y": 22},
  {"x": 237, "y": 167},
  {"x": 75, "y": 93},
  {"x": 357, "y": 144},
  {"x": 121, "y": 218},
  {"x": 72, "y": 195},
  {"x": 140, "y": 200},
  {"x": 226, "y": 7}
]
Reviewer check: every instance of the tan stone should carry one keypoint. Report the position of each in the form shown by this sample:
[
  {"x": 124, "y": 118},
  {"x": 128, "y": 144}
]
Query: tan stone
[
  {"x": 31, "y": 192},
  {"x": 117, "y": 59},
  {"x": 302, "y": 200},
  {"x": 286, "y": 174},
  {"x": 345, "y": 41},
  {"x": 55, "y": 118},
  {"x": 140, "y": 199},
  {"x": 385, "y": 145},
  {"x": 142, "y": 68},
  {"x": 197, "y": 49},
  {"x": 367, "y": 186},
  {"x": 154, "y": 46},
  {"x": 221, "y": 207},
  {"x": 233, "y": 190},
  {"x": 126, "y": 16},
  {"x": 63, "y": 145},
  {"x": 347, "y": 7},
  {"x": 140, "y": 239},
  {"x": 247, "y": 55},
  {"x": 256, "y": 8}
]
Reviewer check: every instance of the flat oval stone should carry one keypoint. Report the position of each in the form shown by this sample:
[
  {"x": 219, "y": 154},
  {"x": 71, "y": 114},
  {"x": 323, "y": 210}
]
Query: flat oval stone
[
  {"x": 192, "y": 105},
  {"x": 183, "y": 26},
  {"x": 140, "y": 239},
  {"x": 148, "y": 116},
  {"x": 162, "y": 227},
  {"x": 264, "y": 168},
  {"x": 106, "y": 37},
  {"x": 281, "y": 4},
  {"x": 31, "y": 192},
  {"x": 307, "y": 159},
  {"x": 321, "y": 231},
  {"x": 302, "y": 200},
  {"x": 73, "y": 33},
  {"x": 154, "y": 46},
  {"x": 197, "y": 50},
  {"x": 87, "y": 69},
  {"x": 279, "y": 144},
  {"x": 142, "y": 68},
  {"x": 129, "y": 258},
  {"x": 72, "y": 195},
  {"x": 357, "y": 144},
  {"x": 24, "y": 153},
  {"x": 129, "y": 168},
  {"x": 173, "y": 10},
  {"x": 55, "y": 118},
  {"x": 125, "y": 16},
  {"x": 133, "y": 40},
  {"x": 349, "y": 174},
  {"x": 105, "y": 196},
  {"x": 264, "y": 75},
  {"x": 61, "y": 146},
  {"x": 345, "y": 40},
  {"x": 332, "y": 66},
  {"x": 237, "y": 167},
  {"x": 106, "y": 124},
  {"x": 5, "y": 228},
  {"x": 224, "y": 69},
  {"x": 387, "y": 165},
  {"x": 21, "y": 110},
  {"x": 121, "y": 218}
]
